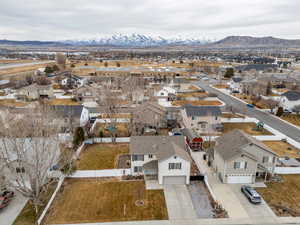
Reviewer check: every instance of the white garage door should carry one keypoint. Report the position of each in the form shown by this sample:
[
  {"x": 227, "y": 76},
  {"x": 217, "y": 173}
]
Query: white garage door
[
  {"x": 174, "y": 180},
  {"x": 239, "y": 179}
]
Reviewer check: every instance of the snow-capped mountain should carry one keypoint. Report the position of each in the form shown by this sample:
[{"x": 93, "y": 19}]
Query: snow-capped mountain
[{"x": 135, "y": 40}]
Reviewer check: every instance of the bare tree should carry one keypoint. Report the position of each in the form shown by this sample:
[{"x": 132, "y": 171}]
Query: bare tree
[
  {"x": 272, "y": 104},
  {"x": 29, "y": 148}
]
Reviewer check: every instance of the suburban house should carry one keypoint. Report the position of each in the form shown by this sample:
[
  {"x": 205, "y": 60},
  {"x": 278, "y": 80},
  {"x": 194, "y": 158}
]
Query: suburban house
[
  {"x": 35, "y": 91},
  {"x": 73, "y": 81},
  {"x": 85, "y": 94},
  {"x": 240, "y": 158},
  {"x": 165, "y": 92},
  {"x": 202, "y": 119},
  {"x": 162, "y": 158},
  {"x": 235, "y": 84},
  {"x": 74, "y": 115},
  {"x": 150, "y": 114},
  {"x": 289, "y": 100}
]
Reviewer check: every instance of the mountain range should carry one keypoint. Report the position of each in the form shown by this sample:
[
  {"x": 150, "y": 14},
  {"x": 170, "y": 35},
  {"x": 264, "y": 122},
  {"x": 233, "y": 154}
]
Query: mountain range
[{"x": 142, "y": 41}]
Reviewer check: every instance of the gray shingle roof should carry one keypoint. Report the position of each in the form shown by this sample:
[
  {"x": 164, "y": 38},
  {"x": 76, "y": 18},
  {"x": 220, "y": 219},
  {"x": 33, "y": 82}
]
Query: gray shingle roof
[
  {"x": 163, "y": 147},
  {"x": 231, "y": 144},
  {"x": 292, "y": 95},
  {"x": 68, "y": 110},
  {"x": 237, "y": 79},
  {"x": 202, "y": 110}
]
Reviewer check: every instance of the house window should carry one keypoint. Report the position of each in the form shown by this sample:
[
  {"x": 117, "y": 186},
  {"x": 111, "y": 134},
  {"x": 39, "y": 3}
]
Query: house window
[
  {"x": 20, "y": 170},
  {"x": 138, "y": 169},
  {"x": 216, "y": 118},
  {"x": 193, "y": 118},
  {"x": 240, "y": 165},
  {"x": 150, "y": 156},
  {"x": 138, "y": 158},
  {"x": 265, "y": 159},
  {"x": 174, "y": 166}
]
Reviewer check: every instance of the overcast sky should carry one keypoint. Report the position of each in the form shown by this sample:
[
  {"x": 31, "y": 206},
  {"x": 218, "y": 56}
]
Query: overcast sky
[{"x": 213, "y": 19}]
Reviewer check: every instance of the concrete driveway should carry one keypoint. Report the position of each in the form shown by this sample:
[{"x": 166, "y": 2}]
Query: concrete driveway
[
  {"x": 179, "y": 202},
  {"x": 10, "y": 213},
  {"x": 253, "y": 211}
]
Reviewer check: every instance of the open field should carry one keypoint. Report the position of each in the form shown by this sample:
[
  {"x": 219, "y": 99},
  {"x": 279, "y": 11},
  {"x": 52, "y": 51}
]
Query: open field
[
  {"x": 294, "y": 119},
  {"x": 94, "y": 200},
  {"x": 66, "y": 101},
  {"x": 196, "y": 103},
  {"x": 283, "y": 198},
  {"x": 101, "y": 156},
  {"x": 27, "y": 215},
  {"x": 6, "y": 73},
  {"x": 14, "y": 61},
  {"x": 283, "y": 149},
  {"x": 122, "y": 130},
  {"x": 246, "y": 127}
]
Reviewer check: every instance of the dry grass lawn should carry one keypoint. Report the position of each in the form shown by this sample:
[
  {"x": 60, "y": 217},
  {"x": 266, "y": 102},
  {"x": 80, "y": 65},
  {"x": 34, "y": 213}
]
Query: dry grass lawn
[
  {"x": 292, "y": 118},
  {"x": 196, "y": 103},
  {"x": 92, "y": 200},
  {"x": 284, "y": 195},
  {"x": 66, "y": 101},
  {"x": 12, "y": 103},
  {"x": 246, "y": 127},
  {"x": 5, "y": 73},
  {"x": 230, "y": 115},
  {"x": 283, "y": 149},
  {"x": 27, "y": 216},
  {"x": 122, "y": 130},
  {"x": 192, "y": 94},
  {"x": 221, "y": 86},
  {"x": 101, "y": 156}
]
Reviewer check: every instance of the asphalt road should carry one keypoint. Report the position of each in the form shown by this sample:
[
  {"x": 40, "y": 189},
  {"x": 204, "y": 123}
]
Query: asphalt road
[{"x": 265, "y": 117}]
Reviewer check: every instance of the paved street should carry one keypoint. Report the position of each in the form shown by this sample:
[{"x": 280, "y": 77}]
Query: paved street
[
  {"x": 179, "y": 203},
  {"x": 268, "y": 119}
]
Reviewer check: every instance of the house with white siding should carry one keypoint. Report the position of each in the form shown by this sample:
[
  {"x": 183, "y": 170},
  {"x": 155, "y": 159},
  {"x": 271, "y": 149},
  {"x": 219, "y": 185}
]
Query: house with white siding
[
  {"x": 289, "y": 100},
  {"x": 161, "y": 158}
]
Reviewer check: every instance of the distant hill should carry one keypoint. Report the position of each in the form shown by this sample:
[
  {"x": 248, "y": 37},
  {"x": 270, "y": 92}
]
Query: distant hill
[
  {"x": 30, "y": 43},
  {"x": 248, "y": 41}
]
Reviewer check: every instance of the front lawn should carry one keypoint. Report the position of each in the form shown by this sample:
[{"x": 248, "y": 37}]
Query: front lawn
[
  {"x": 292, "y": 118},
  {"x": 246, "y": 127},
  {"x": 231, "y": 115},
  {"x": 283, "y": 149},
  {"x": 101, "y": 156},
  {"x": 283, "y": 198},
  {"x": 196, "y": 103},
  {"x": 94, "y": 200}
]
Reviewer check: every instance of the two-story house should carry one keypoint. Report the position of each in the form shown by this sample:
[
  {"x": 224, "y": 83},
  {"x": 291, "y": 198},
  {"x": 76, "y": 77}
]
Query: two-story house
[
  {"x": 240, "y": 158},
  {"x": 289, "y": 100},
  {"x": 202, "y": 119},
  {"x": 162, "y": 158}
]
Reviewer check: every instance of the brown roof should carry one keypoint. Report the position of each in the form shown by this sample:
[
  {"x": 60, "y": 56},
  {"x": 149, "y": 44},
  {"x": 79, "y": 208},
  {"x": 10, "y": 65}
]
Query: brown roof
[
  {"x": 232, "y": 143},
  {"x": 162, "y": 147}
]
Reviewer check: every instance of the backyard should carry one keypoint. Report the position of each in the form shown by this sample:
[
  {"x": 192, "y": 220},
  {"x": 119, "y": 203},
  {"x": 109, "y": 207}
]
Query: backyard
[
  {"x": 283, "y": 149},
  {"x": 283, "y": 198},
  {"x": 101, "y": 156},
  {"x": 67, "y": 101},
  {"x": 292, "y": 118},
  {"x": 95, "y": 200},
  {"x": 121, "y": 130},
  {"x": 246, "y": 127}
]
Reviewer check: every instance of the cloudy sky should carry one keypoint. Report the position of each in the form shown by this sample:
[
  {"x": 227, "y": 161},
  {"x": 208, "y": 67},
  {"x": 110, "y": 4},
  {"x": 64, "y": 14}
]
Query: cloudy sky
[{"x": 213, "y": 19}]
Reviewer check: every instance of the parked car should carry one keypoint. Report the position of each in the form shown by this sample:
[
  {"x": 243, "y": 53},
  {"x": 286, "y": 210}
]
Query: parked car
[
  {"x": 250, "y": 105},
  {"x": 5, "y": 198},
  {"x": 251, "y": 194}
]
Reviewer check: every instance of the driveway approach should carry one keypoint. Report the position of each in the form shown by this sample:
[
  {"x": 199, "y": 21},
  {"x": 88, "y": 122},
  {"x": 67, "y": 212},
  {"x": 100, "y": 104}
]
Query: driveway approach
[
  {"x": 268, "y": 119},
  {"x": 179, "y": 202}
]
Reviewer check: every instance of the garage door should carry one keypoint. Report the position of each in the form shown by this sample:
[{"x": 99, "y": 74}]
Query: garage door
[
  {"x": 174, "y": 180},
  {"x": 239, "y": 179}
]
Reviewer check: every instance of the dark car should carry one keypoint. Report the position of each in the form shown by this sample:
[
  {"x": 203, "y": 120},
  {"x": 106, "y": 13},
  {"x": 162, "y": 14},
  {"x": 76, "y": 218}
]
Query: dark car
[
  {"x": 250, "y": 105},
  {"x": 251, "y": 194}
]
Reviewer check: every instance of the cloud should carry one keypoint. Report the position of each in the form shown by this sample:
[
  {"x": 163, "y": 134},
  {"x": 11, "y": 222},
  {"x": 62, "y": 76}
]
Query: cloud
[{"x": 65, "y": 19}]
